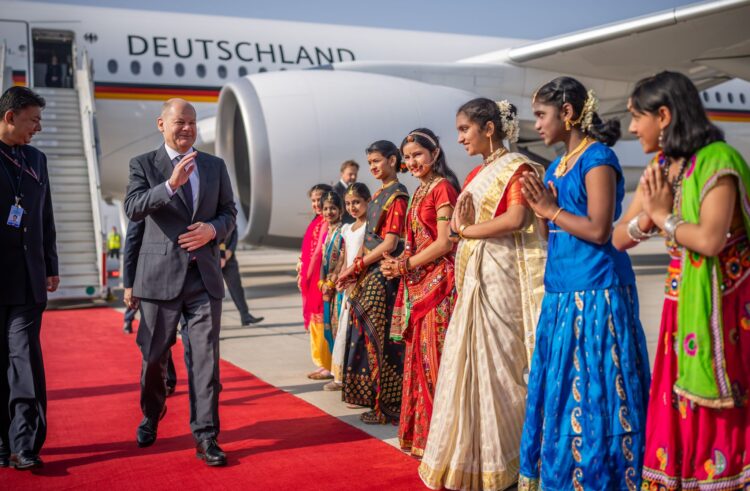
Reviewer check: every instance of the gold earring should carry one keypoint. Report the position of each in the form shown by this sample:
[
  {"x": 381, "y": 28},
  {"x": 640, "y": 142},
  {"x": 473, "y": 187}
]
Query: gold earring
[
  {"x": 661, "y": 138},
  {"x": 567, "y": 125},
  {"x": 491, "y": 148}
]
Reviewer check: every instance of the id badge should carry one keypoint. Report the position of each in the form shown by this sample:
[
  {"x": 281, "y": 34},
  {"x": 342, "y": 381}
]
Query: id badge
[{"x": 15, "y": 215}]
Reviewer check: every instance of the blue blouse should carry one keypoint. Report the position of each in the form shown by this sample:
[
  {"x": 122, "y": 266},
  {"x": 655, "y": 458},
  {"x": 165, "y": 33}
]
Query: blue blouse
[{"x": 575, "y": 264}]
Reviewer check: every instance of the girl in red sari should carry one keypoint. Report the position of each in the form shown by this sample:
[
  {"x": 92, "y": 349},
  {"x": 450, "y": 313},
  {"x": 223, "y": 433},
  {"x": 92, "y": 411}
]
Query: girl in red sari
[
  {"x": 308, "y": 274},
  {"x": 427, "y": 292}
]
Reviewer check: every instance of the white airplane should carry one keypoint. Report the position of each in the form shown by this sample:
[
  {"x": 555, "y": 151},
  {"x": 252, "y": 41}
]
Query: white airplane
[{"x": 285, "y": 102}]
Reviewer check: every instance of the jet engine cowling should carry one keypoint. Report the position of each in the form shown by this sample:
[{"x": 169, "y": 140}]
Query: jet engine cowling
[{"x": 280, "y": 133}]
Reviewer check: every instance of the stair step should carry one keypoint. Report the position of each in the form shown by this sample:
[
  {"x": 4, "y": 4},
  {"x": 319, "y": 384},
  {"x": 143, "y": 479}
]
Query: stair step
[
  {"x": 79, "y": 281},
  {"x": 57, "y": 152},
  {"x": 60, "y": 137},
  {"x": 65, "y": 162},
  {"x": 61, "y": 188},
  {"x": 66, "y": 206},
  {"x": 68, "y": 235},
  {"x": 57, "y": 128},
  {"x": 80, "y": 227},
  {"x": 71, "y": 247},
  {"x": 88, "y": 257},
  {"x": 71, "y": 216},
  {"x": 55, "y": 171},
  {"x": 71, "y": 199}
]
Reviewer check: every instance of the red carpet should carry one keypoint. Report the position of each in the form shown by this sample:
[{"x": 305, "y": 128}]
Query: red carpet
[{"x": 273, "y": 440}]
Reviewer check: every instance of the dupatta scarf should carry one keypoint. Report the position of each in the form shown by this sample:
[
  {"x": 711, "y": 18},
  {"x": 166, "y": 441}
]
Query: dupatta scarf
[
  {"x": 529, "y": 247},
  {"x": 425, "y": 287},
  {"x": 311, "y": 258},
  {"x": 331, "y": 256},
  {"x": 701, "y": 364}
]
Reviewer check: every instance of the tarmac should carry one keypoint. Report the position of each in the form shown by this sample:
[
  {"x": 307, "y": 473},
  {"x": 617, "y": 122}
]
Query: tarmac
[{"x": 278, "y": 349}]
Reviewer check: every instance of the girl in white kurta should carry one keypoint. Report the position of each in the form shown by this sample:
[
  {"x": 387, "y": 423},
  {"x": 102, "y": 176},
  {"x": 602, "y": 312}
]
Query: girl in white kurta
[{"x": 356, "y": 198}]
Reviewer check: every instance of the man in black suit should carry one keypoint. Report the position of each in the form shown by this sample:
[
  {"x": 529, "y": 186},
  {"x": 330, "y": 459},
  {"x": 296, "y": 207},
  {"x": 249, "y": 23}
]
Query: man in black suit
[
  {"x": 28, "y": 264},
  {"x": 230, "y": 269},
  {"x": 349, "y": 171},
  {"x": 185, "y": 199},
  {"x": 133, "y": 240}
]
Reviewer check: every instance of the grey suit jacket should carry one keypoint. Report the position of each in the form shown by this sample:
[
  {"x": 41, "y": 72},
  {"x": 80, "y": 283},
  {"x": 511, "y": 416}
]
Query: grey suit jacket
[{"x": 162, "y": 263}]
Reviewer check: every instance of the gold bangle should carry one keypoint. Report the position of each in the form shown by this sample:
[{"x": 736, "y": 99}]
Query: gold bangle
[
  {"x": 557, "y": 213},
  {"x": 461, "y": 230}
]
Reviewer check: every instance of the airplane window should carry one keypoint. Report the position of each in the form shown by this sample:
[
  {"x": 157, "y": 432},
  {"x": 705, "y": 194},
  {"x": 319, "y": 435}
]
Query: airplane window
[
  {"x": 730, "y": 97},
  {"x": 158, "y": 68},
  {"x": 222, "y": 71},
  {"x": 705, "y": 97},
  {"x": 179, "y": 69},
  {"x": 112, "y": 66},
  {"x": 135, "y": 67},
  {"x": 201, "y": 69},
  {"x": 718, "y": 96},
  {"x": 242, "y": 71},
  {"x": 742, "y": 98},
  {"x": 262, "y": 70}
]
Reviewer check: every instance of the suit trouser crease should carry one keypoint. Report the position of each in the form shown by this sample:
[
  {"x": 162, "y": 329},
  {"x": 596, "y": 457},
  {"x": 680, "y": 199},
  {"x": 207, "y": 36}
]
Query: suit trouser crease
[
  {"x": 231, "y": 273},
  {"x": 23, "y": 410},
  {"x": 157, "y": 334}
]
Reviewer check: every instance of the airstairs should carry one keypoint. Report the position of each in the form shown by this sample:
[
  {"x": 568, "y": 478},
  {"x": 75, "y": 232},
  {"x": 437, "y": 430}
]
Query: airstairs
[{"x": 68, "y": 140}]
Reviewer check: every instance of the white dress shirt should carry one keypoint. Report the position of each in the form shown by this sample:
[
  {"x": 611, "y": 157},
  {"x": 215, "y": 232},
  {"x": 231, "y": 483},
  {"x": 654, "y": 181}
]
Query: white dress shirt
[{"x": 194, "y": 181}]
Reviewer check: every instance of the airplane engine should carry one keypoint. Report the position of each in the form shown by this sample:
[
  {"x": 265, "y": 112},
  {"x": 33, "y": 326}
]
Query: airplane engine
[{"x": 281, "y": 133}]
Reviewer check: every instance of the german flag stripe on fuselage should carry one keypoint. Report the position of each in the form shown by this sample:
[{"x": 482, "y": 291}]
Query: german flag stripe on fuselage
[
  {"x": 728, "y": 115},
  {"x": 19, "y": 78},
  {"x": 147, "y": 92},
  {"x": 195, "y": 93}
]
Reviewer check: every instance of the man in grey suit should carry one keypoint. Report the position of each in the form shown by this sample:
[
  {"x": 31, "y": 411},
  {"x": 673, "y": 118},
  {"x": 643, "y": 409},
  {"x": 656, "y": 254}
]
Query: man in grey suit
[{"x": 185, "y": 199}]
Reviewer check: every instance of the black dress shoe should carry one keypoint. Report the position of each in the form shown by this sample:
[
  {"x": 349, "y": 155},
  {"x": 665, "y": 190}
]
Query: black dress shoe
[
  {"x": 249, "y": 319},
  {"x": 145, "y": 434},
  {"x": 25, "y": 459},
  {"x": 210, "y": 452},
  {"x": 127, "y": 328},
  {"x": 4, "y": 460}
]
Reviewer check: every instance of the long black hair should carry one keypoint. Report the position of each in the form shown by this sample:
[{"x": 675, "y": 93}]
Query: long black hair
[
  {"x": 482, "y": 110},
  {"x": 333, "y": 197},
  {"x": 568, "y": 90},
  {"x": 323, "y": 188},
  {"x": 690, "y": 129},
  {"x": 359, "y": 189},
  {"x": 387, "y": 149},
  {"x": 426, "y": 138}
]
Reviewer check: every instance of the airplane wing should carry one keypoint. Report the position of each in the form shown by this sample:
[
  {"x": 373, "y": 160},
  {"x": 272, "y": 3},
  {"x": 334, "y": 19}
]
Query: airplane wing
[{"x": 708, "y": 41}]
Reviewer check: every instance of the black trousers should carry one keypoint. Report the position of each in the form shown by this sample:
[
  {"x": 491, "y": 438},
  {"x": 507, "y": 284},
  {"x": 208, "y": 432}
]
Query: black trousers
[
  {"x": 200, "y": 336},
  {"x": 23, "y": 390},
  {"x": 232, "y": 278},
  {"x": 171, "y": 378}
]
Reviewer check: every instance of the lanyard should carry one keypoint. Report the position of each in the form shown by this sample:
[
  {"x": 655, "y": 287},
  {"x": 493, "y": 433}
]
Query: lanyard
[
  {"x": 15, "y": 184},
  {"x": 26, "y": 169}
]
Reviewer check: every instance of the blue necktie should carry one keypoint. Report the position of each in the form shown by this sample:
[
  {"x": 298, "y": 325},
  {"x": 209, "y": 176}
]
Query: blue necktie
[{"x": 187, "y": 187}]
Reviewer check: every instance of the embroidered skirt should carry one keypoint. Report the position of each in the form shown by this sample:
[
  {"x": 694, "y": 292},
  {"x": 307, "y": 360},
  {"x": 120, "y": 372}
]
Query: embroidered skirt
[{"x": 587, "y": 393}]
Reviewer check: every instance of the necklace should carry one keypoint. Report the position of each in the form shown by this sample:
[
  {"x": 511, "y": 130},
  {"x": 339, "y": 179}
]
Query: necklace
[
  {"x": 562, "y": 167},
  {"x": 494, "y": 156}
]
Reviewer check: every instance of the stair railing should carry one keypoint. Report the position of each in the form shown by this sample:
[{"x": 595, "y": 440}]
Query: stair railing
[{"x": 84, "y": 83}]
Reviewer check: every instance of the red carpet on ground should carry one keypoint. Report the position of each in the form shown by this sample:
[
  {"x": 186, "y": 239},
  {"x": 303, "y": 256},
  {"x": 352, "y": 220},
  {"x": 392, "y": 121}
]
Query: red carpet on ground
[{"x": 273, "y": 440}]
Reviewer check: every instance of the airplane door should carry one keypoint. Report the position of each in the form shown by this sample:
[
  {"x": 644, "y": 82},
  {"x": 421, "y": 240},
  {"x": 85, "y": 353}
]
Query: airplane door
[{"x": 14, "y": 35}]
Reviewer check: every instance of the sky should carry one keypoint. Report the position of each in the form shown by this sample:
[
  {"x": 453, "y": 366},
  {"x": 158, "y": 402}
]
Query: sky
[{"x": 526, "y": 19}]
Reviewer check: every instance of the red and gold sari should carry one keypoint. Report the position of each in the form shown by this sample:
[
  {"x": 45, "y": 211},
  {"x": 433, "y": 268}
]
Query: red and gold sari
[{"x": 423, "y": 310}]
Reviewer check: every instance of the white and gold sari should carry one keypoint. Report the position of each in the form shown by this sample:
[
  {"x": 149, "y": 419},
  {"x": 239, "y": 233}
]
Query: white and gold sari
[{"x": 480, "y": 396}]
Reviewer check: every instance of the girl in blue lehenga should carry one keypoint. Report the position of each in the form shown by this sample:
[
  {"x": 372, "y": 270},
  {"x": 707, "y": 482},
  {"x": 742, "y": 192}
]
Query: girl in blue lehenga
[
  {"x": 589, "y": 378},
  {"x": 330, "y": 267}
]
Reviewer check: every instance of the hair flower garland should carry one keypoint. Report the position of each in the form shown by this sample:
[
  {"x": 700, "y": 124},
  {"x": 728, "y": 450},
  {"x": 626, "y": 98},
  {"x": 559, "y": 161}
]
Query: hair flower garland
[{"x": 509, "y": 121}]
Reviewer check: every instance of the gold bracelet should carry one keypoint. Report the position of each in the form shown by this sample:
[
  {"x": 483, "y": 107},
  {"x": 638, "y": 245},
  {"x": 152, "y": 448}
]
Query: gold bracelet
[
  {"x": 557, "y": 213},
  {"x": 461, "y": 231}
]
